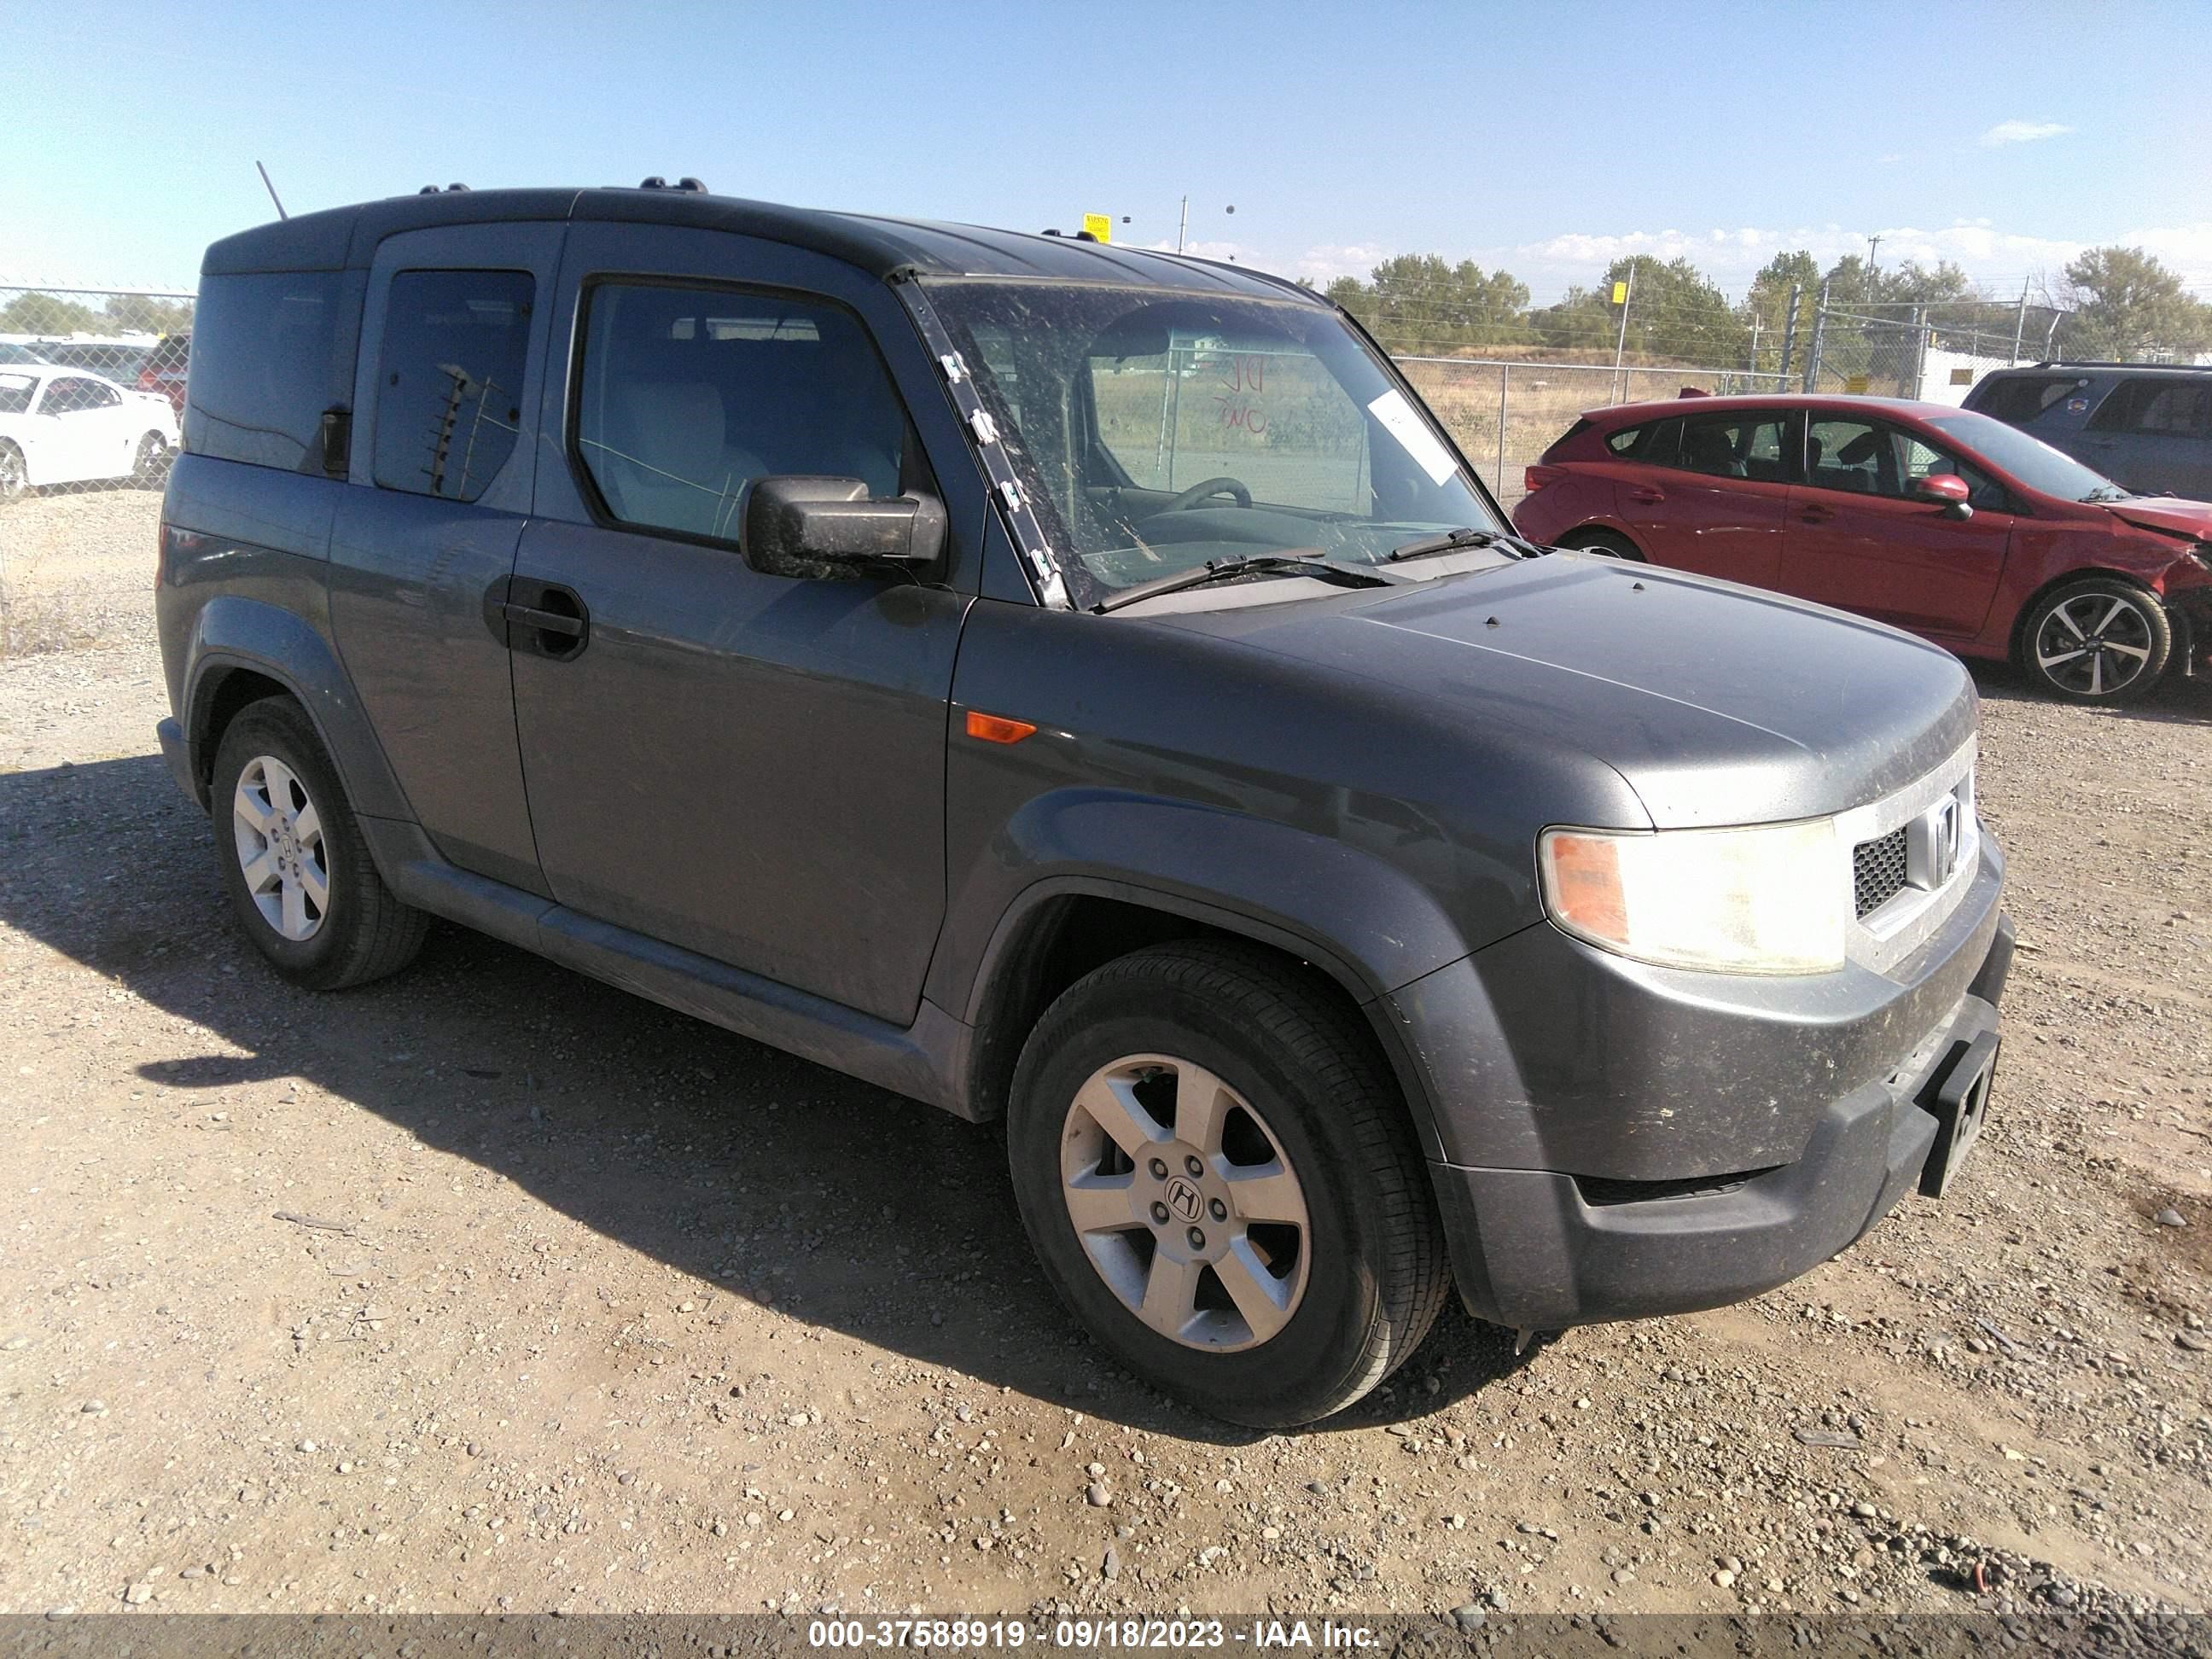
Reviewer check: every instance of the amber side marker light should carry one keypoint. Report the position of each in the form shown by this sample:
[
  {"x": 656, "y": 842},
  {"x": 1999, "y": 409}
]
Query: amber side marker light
[{"x": 997, "y": 728}]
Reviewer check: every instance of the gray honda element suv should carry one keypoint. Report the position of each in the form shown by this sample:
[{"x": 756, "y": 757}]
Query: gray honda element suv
[{"x": 1085, "y": 688}]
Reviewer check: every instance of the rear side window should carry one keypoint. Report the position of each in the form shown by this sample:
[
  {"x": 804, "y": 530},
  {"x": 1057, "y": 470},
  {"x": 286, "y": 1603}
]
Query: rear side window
[
  {"x": 2168, "y": 407},
  {"x": 68, "y": 397},
  {"x": 688, "y": 395},
  {"x": 449, "y": 380},
  {"x": 2018, "y": 399},
  {"x": 1741, "y": 446},
  {"x": 1654, "y": 445},
  {"x": 271, "y": 352}
]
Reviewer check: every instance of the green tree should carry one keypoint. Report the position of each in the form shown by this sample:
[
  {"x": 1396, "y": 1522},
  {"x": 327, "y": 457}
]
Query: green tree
[
  {"x": 2125, "y": 304},
  {"x": 47, "y": 313},
  {"x": 1418, "y": 303},
  {"x": 1674, "y": 311},
  {"x": 142, "y": 314},
  {"x": 1767, "y": 304}
]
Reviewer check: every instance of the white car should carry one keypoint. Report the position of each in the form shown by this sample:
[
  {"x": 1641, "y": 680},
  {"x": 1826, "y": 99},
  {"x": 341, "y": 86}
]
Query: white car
[{"x": 64, "y": 426}]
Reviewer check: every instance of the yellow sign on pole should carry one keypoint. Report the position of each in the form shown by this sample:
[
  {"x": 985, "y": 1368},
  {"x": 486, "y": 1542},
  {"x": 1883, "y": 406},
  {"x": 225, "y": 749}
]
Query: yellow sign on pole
[
  {"x": 1100, "y": 225},
  {"x": 1621, "y": 293},
  {"x": 1856, "y": 383}
]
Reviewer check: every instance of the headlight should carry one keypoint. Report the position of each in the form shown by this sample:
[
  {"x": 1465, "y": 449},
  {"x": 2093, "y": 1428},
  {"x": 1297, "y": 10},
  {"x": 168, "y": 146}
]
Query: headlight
[{"x": 1771, "y": 900}]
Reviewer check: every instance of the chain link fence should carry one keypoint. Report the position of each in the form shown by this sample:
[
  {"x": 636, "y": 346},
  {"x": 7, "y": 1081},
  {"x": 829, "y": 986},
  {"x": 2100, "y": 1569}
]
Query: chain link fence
[
  {"x": 92, "y": 387},
  {"x": 1505, "y": 412}
]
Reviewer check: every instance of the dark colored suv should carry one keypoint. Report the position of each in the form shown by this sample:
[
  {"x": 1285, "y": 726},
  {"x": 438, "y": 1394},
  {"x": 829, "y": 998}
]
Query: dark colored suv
[
  {"x": 1083, "y": 687},
  {"x": 2147, "y": 426}
]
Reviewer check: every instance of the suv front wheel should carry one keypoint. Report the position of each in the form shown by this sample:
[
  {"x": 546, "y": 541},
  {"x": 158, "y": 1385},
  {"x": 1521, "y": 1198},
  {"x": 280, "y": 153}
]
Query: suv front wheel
[
  {"x": 293, "y": 861},
  {"x": 1219, "y": 1175}
]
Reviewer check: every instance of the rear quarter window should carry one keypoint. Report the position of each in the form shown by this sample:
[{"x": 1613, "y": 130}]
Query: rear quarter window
[
  {"x": 1654, "y": 443},
  {"x": 2166, "y": 405},
  {"x": 271, "y": 352},
  {"x": 2018, "y": 399}
]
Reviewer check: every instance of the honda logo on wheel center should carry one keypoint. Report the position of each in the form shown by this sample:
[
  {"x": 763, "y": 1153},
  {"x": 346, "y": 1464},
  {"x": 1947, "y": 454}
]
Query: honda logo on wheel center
[{"x": 1184, "y": 1199}]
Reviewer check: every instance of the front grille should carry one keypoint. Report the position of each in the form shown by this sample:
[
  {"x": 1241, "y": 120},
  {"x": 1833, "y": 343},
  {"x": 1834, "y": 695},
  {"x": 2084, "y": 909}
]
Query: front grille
[{"x": 1878, "y": 872}]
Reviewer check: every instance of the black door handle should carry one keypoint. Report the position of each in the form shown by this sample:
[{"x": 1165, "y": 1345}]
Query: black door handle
[
  {"x": 546, "y": 621},
  {"x": 544, "y": 618}
]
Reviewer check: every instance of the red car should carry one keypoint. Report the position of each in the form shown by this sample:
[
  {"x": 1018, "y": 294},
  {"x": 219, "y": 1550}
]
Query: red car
[
  {"x": 1951, "y": 524},
  {"x": 163, "y": 371}
]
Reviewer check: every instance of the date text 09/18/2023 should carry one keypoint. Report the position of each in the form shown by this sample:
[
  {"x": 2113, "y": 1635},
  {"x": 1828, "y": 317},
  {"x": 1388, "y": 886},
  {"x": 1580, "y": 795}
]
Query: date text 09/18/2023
[{"x": 1138, "y": 1634}]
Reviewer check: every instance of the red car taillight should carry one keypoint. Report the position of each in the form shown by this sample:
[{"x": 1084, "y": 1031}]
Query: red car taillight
[{"x": 1539, "y": 475}]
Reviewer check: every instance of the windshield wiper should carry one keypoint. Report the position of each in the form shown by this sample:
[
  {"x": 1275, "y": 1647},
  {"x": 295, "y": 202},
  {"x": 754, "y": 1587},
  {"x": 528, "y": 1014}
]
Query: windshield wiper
[
  {"x": 1467, "y": 536},
  {"x": 2107, "y": 493},
  {"x": 1220, "y": 570}
]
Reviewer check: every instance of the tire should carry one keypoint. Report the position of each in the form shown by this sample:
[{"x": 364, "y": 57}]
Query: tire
[
  {"x": 150, "y": 466},
  {"x": 313, "y": 903},
  {"x": 14, "y": 476},
  {"x": 2098, "y": 641},
  {"x": 1606, "y": 544},
  {"x": 1339, "y": 1298}
]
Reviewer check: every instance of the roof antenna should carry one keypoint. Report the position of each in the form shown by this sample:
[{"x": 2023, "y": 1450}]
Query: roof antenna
[{"x": 271, "y": 189}]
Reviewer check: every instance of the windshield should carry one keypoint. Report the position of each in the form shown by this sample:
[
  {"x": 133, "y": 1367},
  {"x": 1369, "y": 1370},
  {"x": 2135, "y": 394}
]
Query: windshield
[
  {"x": 16, "y": 392},
  {"x": 1158, "y": 432},
  {"x": 2031, "y": 460}
]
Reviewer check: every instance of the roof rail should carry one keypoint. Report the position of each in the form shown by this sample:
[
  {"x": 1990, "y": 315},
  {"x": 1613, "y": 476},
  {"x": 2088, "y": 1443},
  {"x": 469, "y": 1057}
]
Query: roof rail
[{"x": 2112, "y": 363}]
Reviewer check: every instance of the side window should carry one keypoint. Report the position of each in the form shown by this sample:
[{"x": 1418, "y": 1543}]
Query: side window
[
  {"x": 271, "y": 352},
  {"x": 96, "y": 395},
  {"x": 2167, "y": 407},
  {"x": 1849, "y": 456},
  {"x": 1625, "y": 442},
  {"x": 449, "y": 380},
  {"x": 64, "y": 397},
  {"x": 1738, "y": 446},
  {"x": 1918, "y": 460},
  {"x": 688, "y": 395}
]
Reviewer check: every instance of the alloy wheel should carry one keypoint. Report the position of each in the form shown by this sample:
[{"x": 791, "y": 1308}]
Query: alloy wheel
[
  {"x": 279, "y": 835},
  {"x": 2094, "y": 644},
  {"x": 13, "y": 476},
  {"x": 1185, "y": 1203}
]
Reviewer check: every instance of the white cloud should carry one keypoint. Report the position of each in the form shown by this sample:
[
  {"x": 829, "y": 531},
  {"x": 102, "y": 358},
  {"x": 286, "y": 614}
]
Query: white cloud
[
  {"x": 1328, "y": 261},
  {"x": 2021, "y": 132}
]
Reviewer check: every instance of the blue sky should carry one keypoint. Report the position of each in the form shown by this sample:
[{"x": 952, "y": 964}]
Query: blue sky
[{"x": 1547, "y": 138}]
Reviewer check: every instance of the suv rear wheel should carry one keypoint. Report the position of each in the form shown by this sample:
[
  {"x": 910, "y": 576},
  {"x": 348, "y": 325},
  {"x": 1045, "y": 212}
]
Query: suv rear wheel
[
  {"x": 293, "y": 862},
  {"x": 2099, "y": 639},
  {"x": 1219, "y": 1175}
]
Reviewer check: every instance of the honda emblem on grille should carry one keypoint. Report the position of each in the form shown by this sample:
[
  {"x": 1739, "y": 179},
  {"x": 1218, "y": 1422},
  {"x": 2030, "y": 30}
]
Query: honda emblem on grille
[{"x": 1944, "y": 842}]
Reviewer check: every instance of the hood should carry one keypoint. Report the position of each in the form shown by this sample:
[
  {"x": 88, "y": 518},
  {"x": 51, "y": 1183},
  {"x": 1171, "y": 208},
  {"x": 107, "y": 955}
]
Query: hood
[
  {"x": 1718, "y": 704},
  {"x": 2175, "y": 517}
]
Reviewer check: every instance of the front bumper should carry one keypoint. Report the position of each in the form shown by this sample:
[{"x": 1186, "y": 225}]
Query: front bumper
[{"x": 1687, "y": 1152}]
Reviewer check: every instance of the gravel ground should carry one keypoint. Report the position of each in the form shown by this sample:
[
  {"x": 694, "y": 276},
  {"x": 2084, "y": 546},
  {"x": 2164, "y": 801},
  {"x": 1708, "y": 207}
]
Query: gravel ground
[{"x": 485, "y": 1288}]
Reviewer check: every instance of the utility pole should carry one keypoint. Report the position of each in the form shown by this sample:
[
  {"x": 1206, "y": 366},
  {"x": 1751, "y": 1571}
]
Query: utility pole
[
  {"x": 1620, "y": 346},
  {"x": 1813, "y": 355},
  {"x": 2018, "y": 323},
  {"x": 1789, "y": 336},
  {"x": 1182, "y": 225},
  {"x": 1874, "y": 246}
]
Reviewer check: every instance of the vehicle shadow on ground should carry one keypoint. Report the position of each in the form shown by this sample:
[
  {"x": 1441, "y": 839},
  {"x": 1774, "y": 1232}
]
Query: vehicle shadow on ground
[
  {"x": 2178, "y": 700},
  {"x": 841, "y": 1205}
]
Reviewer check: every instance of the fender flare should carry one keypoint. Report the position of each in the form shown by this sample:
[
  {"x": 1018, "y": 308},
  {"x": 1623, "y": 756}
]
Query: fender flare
[
  {"x": 233, "y": 633},
  {"x": 1369, "y": 927}
]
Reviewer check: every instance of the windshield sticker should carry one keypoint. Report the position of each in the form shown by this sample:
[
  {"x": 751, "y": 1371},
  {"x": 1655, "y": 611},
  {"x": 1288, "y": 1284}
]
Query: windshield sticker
[{"x": 1413, "y": 436}]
